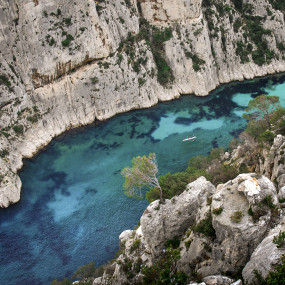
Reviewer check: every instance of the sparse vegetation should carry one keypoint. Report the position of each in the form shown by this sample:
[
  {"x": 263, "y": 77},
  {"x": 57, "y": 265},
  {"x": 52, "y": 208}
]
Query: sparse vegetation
[
  {"x": 217, "y": 211},
  {"x": 279, "y": 240},
  {"x": 135, "y": 246},
  {"x": 18, "y": 129},
  {"x": 237, "y": 217},
  {"x": 205, "y": 227},
  {"x": 66, "y": 42}
]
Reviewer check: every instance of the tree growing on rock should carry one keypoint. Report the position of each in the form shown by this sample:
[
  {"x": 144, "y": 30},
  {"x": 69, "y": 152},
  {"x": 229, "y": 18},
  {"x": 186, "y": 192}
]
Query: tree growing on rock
[
  {"x": 141, "y": 175},
  {"x": 262, "y": 108}
]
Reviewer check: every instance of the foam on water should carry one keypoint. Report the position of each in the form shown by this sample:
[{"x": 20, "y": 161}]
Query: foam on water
[{"x": 72, "y": 207}]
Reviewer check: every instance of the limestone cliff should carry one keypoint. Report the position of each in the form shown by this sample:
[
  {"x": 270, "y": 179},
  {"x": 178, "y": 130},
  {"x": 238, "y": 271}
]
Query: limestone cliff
[{"x": 66, "y": 63}]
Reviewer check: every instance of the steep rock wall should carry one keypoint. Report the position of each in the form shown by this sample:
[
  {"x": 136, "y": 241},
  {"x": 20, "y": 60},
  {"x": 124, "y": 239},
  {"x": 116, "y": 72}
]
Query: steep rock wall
[{"x": 65, "y": 64}]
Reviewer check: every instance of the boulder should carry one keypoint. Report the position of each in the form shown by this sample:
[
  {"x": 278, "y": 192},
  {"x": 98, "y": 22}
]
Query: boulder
[
  {"x": 162, "y": 222},
  {"x": 265, "y": 256}
]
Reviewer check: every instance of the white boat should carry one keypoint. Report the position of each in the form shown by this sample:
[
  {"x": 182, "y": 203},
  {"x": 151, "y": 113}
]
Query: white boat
[{"x": 189, "y": 139}]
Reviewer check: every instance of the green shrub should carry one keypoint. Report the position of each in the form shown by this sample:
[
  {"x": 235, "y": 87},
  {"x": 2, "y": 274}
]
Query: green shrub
[
  {"x": 250, "y": 212},
  {"x": 18, "y": 129},
  {"x": 279, "y": 240},
  {"x": 67, "y": 21},
  {"x": 236, "y": 217},
  {"x": 205, "y": 227},
  {"x": 255, "y": 128},
  {"x": 66, "y": 42},
  {"x": 65, "y": 281},
  {"x": 84, "y": 271},
  {"x": 4, "y": 152},
  {"x": 94, "y": 80},
  {"x": 277, "y": 276},
  {"x": 136, "y": 244},
  {"x": 164, "y": 270},
  {"x": 268, "y": 201},
  {"x": 266, "y": 136},
  {"x": 188, "y": 243},
  {"x": 174, "y": 243},
  {"x": 33, "y": 119},
  {"x": 217, "y": 211}
]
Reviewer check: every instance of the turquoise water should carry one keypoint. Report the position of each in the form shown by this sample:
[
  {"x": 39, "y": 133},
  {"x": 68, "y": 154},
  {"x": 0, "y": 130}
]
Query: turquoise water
[{"x": 72, "y": 208}]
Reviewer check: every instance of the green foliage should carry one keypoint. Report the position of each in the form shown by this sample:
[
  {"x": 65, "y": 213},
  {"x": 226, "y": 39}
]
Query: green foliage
[
  {"x": 238, "y": 4},
  {"x": 217, "y": 211},
  {"x": 195, "y": 59},
  {"x": 279, "y": 240},
  {"x": 262, "y": 107},
  {"x": 255, "y": 128},
  {"x": 266, "y": 136},
  {"x": 33, "y": 119},
  {"x": 5, "y": 134},
  {"x": 94, "y": 80},
  {"x": 126, "y": 266},
  {"x": 18, "y": 129},
  {"x": 237, "y": 25},
  {"x": 171, "y": 185},
  {"x": 274, "y": 277},
  {"x": 268, "y": 201},
  {"x": 278, "y": 4},
  {"x": 66, "y": 42},
  {"x": 85, "y": 271},
  {"x": 4, "y": 152},
  {"x": 205, "y": 227},
  {"x": 67, "y": 21},
  {"x": 174, "y": 243},
  {"x": 236, "y": 217},
  {"x": 188, "y": 243},
  {"x": 277, "y": 276},
  {"x": 164, "y": 72},
  {"x": 250, "y": 212},
  {"x": 136, "y": 244},
  {"x": 65, "y": 281},
  {"x": 4, "y": 80},
  {"x": 155, "y": 38},
  {"x": 164, "y": 271},
  {"x": 122, "y": 21},
  {"x": 142, "y": 174}
]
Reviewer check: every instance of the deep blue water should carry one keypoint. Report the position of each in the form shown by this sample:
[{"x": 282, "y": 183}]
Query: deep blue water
[{"x": 72, "y": 208}]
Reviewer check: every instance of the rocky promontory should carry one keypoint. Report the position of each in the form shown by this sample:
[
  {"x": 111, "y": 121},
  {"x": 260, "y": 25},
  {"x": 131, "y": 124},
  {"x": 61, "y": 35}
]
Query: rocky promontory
[
  {"x": 67, "y": 63},
  {"x": 213, "y": 234}
]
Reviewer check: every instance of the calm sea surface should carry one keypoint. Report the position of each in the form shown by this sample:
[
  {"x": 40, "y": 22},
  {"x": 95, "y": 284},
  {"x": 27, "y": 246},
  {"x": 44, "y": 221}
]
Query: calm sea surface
[{"x": 73, "y": 209}]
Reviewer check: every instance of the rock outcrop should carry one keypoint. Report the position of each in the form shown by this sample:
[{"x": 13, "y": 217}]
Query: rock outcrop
[
  {"x": 67, "y": 63},
  {"x": 265, "y": 257},
  {"x": 215, "y": 230}
]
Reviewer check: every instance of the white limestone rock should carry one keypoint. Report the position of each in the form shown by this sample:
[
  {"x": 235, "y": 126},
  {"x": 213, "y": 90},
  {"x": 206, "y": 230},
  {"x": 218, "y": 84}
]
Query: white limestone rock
[
  {"x": 237, "y": 234},
  {"x": 160, "y": 11},
  {"x": 265, "y": 256},
  {"x": 162, "y": 222},
  {"x": 218, "y": 280}
]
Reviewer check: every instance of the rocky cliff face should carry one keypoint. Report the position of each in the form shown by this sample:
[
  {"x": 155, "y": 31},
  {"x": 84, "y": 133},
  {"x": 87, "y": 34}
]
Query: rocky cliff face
[
  {"x": 67, "y": 63},
  {"x": 240, "y": 217},
  {"x": 215, "y": 230}
]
